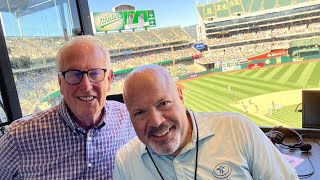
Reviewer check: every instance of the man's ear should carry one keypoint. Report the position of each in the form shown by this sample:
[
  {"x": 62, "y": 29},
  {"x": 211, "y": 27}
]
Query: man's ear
[
  {"x": 180, "y": 94},
  {"x": 59, "y": 80},
  {"x": 110, "y": 77}
]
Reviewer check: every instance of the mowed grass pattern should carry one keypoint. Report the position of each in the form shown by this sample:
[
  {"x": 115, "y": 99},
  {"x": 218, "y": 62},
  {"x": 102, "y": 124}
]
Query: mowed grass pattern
[{"x": 211, "y": 93}]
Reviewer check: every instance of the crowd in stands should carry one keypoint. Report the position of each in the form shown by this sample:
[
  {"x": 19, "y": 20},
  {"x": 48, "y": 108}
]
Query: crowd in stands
[
  {"x": 35, "y": 85},
  {"x": 144, "y": 37},
  {"x": 247, "y": 50},
  {"x": 176, "y": 70},
  {"x": 39, "y": 51},
  {"x": 266, "y": 34},
  {"x": 239, "y": 52},
  {"x": 133, "y": 60}
]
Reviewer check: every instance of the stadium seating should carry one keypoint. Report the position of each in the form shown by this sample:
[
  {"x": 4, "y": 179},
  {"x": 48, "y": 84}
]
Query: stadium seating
[
  {"x": 127, "y": 39},
  {"x": 226, "y": 8},
  {"x": 255, "y": 6},
  {"x": 246, "y": 5},
  {"x": 235, "y": 7},
  {"x": 284, "y": 3},
  {"x": 222, "y": 9},
  {"x": 268, "y": 4}
]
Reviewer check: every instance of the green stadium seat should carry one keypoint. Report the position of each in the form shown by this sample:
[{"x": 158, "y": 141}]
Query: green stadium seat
[
  {"x": 235, "y": 7},
  {"x": 246, "y": 4},
  {"x": 207, "y": 11},
  {"x": 301, "y": 1},
  {"x": 282, "y": 3},
  {"x": 222, "y": 9},
  {"x": 268, "y": 4},
  {"x": 255, "y": 6}
]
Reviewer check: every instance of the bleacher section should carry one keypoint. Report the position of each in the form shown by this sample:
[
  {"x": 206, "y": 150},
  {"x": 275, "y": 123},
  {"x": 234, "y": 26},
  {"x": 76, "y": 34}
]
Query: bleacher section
[
  {"x": 246, "y": 5},
  {"x": 304, "y": 47},
  {"x": 255, "y": 6},
  {"x": 269, "y": 4},
  {"x": 235, "y": 7},
  {"x": 242, "y": 28},
  {"x": 227, "y": 8},
  {"x": 127, "y": 40},
  {"x": 301, "y": 1},
  {"x": 28, "y": 52},
  {"x": 305, "y": 42},
  {"x": 284, "y": 3},
  {"x": 222, "y": 9}
]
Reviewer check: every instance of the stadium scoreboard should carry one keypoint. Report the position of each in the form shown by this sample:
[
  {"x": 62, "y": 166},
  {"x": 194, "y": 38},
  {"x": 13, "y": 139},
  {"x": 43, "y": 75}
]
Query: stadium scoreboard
[{"x": 124, "y": 20}]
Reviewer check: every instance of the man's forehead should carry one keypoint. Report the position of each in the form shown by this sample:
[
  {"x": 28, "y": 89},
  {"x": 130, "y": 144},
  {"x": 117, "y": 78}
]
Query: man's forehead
[
  {"x": 147, "y": 101},
  {"x": 149, "y": 76}
]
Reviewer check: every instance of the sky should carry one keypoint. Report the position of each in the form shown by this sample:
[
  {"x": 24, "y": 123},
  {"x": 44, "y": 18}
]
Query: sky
[
  {"x": 167, "y": 12},
  {"x": 48, "y": 22}
]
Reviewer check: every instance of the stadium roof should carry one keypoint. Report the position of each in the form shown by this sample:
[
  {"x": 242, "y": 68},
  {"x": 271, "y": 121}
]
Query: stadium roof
[{"x": 24, "y": 7}]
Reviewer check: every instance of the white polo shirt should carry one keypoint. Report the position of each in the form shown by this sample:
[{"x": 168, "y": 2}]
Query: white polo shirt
[{"x": 230, "y": 147}]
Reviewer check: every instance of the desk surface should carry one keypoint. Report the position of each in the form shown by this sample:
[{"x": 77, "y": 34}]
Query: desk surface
[{"x": 314, "y": 155}]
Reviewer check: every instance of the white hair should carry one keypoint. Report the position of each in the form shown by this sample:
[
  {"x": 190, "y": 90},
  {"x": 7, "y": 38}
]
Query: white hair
[{"x": 89, "y": 39}]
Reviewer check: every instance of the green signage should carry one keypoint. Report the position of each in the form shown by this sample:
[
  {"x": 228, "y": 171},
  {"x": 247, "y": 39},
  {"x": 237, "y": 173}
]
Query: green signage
[
  {"x": 108, "y": 21},
  {"x": 139, "y": 19},
  {"x": 114, "y": 21}
]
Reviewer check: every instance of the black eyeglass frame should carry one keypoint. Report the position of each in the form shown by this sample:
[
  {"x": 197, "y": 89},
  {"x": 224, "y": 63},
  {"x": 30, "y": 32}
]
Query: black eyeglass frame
[{"x": 63, "y": 73}]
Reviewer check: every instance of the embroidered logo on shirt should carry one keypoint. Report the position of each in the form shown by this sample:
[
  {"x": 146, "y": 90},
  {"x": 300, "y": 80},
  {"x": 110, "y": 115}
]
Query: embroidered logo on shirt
[{"x": 222, "y": 170}]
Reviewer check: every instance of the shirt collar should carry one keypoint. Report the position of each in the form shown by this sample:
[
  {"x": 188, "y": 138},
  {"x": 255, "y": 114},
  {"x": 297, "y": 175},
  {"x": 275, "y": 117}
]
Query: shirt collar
[
  {"x": 63, "y": 111},
  {"x": 204, "y": 132}
]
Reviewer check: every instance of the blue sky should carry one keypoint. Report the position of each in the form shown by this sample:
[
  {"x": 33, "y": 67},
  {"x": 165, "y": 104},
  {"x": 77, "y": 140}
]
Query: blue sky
[
  {"x": 167, "y": 12},
  {"x": 47, "y": 22}
]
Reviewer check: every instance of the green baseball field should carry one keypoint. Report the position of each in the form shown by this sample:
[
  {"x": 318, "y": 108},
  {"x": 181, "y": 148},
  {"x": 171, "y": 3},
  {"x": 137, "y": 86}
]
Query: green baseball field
[{"x": 269, "y": 96}]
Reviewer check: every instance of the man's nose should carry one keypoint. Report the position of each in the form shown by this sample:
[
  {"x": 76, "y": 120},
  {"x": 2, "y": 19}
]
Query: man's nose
[
  {"x": 156, "y": 118},
  {"x": 85, "y": 84}
]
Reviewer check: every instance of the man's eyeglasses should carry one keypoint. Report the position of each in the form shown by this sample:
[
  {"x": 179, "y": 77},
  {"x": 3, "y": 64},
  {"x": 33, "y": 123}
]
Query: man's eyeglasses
[{"x": 75, "y": 77}]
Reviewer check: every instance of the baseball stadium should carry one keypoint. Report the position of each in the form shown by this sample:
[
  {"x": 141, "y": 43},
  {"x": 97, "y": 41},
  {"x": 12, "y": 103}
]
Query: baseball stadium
[{"x": 255, "y": 57}]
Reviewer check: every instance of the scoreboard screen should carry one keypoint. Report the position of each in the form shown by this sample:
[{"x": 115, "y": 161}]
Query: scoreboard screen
[
  {"x": 114, "y": 21},
  {"x": 138, "y": 19}
]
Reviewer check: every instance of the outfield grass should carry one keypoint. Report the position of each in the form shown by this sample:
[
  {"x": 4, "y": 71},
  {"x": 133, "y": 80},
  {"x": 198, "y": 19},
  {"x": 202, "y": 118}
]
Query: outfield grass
[{"x": 211, "y": 93}]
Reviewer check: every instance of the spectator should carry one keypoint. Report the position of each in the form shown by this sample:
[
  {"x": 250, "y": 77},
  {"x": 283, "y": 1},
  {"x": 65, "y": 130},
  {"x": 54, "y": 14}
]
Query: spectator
[
  {"x": 78, "y": 138},
  {"x": 172, "y": 138}
]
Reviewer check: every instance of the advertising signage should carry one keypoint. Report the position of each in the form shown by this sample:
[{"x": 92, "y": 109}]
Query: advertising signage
[
  {"x": 255, "y": 65},
  {"x": 271, "y": 54},
  {"x": 108, "y": 21},
  {"x": 115, "y": 21},
  {"x": 199, "y": 46}
]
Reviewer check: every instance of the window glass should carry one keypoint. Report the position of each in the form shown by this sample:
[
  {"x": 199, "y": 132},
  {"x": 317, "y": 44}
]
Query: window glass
[
  {"x": 257, "y": 56},
  {"x": 34, "y": 31}
]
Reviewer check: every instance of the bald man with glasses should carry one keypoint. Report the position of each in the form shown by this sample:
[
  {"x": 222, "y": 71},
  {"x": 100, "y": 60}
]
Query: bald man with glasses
[{"x": 78, "y": 138}]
